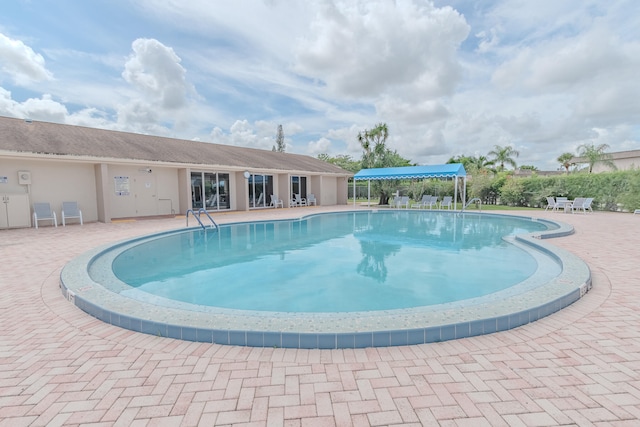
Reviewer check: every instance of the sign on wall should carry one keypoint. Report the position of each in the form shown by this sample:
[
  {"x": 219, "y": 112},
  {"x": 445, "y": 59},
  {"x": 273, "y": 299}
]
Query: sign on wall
[{"x": 123, "y": 187}]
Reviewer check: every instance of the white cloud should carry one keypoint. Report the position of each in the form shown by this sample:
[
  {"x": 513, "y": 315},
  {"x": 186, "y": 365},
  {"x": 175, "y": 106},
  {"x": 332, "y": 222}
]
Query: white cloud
[
  {"x": 21, "y": 62},
  {"x": 155, "y": 70},
  {"x": 368, "y": 49},
  {"x": 322, "y": 145}
]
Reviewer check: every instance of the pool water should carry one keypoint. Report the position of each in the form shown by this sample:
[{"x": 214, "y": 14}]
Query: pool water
[{"x": 339, "y": 262}]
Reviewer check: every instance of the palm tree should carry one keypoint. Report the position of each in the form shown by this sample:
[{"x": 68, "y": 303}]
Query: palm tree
[
  {"x": 565, "y": 161},
  {"x": 502, "y": 155},
  {"x": 594, "y": 154}
]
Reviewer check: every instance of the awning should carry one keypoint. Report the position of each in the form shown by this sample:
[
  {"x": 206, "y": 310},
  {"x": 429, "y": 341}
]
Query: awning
[{"x": 450, "y": 170}]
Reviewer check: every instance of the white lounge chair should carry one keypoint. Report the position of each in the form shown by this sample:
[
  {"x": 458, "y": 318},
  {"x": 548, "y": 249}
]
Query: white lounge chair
[
  {"x": 433, "y": 202},
  {"x": 311, "y": 199},
  {"x": 70, "y": 210},
  {"x": 582, "y": 204},
  {"x": 426, "y": 198},
  {"x": 402, "y": 201},
  {"x": 446, "y": 202},
  {"x": 42, "y": 212},
  {"x": 551, "y": 203},
  {"x": 275, "y": 201}
]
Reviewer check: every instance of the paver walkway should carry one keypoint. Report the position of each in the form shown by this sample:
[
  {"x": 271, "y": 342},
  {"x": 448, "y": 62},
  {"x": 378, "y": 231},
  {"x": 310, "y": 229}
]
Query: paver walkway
[{"x": 59, "y": 366}]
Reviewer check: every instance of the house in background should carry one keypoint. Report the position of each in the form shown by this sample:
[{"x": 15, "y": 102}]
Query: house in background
[
  {"x": 125, "y": 175},
  {"x": 624, "y": 160}
]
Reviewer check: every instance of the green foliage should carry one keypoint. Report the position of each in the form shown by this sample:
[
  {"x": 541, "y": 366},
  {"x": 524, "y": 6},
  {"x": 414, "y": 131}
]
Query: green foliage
[
  {"x": 595, "y": 155},
  {"x": 377, "y": 155},
  {"x": 512, "y": 192},
  {"x": 342, "y": 160},
  {"x": 504, "y": 155},
  {"x": 618, "y": 190},
  {"x": 280, "y": 145},
  {"x": 565, "y": 161}
]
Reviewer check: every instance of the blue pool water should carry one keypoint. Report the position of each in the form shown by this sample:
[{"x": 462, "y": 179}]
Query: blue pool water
[{"x": 339, "y": 262}]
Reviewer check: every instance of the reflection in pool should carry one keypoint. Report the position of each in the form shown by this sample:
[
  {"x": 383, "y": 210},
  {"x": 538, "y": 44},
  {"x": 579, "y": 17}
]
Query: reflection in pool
[{"x": 342, "y": 262}]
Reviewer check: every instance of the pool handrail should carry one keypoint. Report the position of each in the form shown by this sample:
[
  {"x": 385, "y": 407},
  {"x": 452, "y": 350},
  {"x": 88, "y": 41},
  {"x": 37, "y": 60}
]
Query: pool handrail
[
  {"x": 197, "y": 217},
  {"x": 475, "y": 199}
]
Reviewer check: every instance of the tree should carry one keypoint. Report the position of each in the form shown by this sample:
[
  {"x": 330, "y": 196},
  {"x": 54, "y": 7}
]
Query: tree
[
  {"x": 473, "y": 164},
  {"x": 504, "y": 155},
  {"x": 342, "y": 160},
  {"x": 565, "y": 161},
  {"x": 279, "y": 147},
  {"x": 593, "y": 155},
  {"x": 528, "y": 168},
  {"x": 377, "y": 155}
]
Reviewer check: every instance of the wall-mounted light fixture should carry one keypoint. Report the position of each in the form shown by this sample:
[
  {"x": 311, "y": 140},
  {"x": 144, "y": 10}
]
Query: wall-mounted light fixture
[{"x": 247, "y": 175}]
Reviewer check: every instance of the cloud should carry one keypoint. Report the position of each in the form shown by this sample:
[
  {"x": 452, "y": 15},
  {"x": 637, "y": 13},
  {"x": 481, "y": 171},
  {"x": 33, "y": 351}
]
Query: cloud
[
  {"x": 368, "y": 49},
  {"x": 322, "y": 145},
  {"x": 21, "y": 62},
  {"x": 155, "y": 70}
]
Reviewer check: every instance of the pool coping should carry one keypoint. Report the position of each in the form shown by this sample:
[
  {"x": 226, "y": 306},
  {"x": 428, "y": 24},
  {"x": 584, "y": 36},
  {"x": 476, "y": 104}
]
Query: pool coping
[{"x": 336, "y": 330}]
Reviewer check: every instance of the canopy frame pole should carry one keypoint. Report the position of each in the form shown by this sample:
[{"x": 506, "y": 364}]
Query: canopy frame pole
[{"x": 354, "y": 192}]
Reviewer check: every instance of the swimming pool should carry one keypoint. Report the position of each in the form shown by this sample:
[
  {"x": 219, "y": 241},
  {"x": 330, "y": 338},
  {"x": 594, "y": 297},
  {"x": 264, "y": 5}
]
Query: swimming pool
[{"x": 369, "y": 278}]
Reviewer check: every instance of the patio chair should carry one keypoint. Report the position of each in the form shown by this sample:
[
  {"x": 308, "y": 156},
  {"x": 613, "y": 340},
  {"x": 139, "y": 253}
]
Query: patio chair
[
  {"x": 433, "y": 202},
  {"x": 423, "y": 202},
  {"x": 637, "y": 211},
  {"x": 70, "y": 210},
  {"x": 551, "y": 203},
  {"x": 42, "y": 212},
  {"x": 582, "y": 204},
  {"x": 275, "y": 201},
  {"x": 446, "y": 202},
  {"x": 311, "y": 199},
  {"x": 402, "y": 201},
  {"x": 296, "y": 200}
]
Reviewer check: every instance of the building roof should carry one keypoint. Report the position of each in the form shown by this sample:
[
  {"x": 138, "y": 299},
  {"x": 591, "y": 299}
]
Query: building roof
[
  {"x": 432, "y": 171},
  {"x": 52, "y": 140}
]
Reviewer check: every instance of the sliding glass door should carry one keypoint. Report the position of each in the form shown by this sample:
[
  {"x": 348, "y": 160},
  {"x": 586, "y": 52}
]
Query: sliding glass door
[
  {"x": 260, "y": 190},
  {"x": 210, "y": 190}
]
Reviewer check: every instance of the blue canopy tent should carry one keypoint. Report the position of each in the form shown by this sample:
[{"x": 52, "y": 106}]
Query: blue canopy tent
[{"x": 451, "y": 170}]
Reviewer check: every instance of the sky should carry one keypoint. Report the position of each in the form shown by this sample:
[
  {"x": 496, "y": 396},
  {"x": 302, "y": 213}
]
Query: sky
[{"x": 448, "y": 77}]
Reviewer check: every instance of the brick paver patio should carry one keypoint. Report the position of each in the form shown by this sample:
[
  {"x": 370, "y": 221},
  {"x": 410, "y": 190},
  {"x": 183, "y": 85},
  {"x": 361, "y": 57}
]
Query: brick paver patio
[{"x": 59, "y": 366}]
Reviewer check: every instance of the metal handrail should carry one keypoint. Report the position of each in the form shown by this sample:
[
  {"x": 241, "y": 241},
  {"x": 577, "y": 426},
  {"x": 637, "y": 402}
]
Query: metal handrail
[
  {"x": 197, "y": 217},
  {"x": 475, "y": 199}
]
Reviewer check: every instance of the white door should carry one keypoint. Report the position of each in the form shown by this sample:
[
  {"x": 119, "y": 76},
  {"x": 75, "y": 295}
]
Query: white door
[{"x": 144, "y": 192}]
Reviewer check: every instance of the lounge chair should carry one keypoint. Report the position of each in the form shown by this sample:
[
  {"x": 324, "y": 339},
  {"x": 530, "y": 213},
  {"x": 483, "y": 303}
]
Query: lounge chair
[
  {"x": 275, "y": 201},
  {"x": 311, "y": 199},
  {"x": 446, "y": 202},
  {"x": 402, "y": 201},
  {"x": 582, "y": 204},
  {"x": 433, "y": 202},
  {"x": 637, "y": 211},
  {"x": 42, "y": 212},
  {"x": 551, "y": 203},
  {"x": 426, "y": 198},
  {"x": 70, "y": 210}
]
